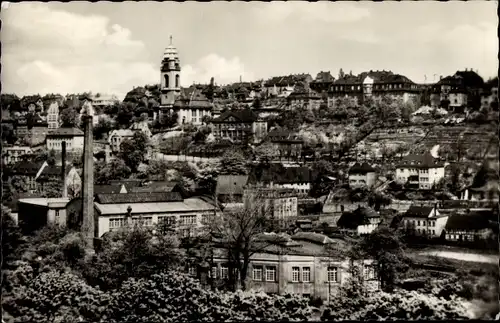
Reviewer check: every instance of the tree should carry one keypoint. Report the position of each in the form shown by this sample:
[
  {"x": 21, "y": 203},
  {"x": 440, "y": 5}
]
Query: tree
[
  {"x": 378, "y": 200},
  {"x": 115, "y": 170},
  {"x": 266, "y": 152},
  {"x": 125, "y": 113},
  {"x": 19, "y": 184},
  {"x": 133, "y": 151},
  {"x": 157, "y": 170},
  {"x": 12, "y": 237},
  {"x": 385, "y": 246},
  {"x": 233, "y": 162},
  {"x": 237, "y": 232},
  {"x": 169, "y": 119},
  {"x": 52, "y": 188},
  {"x": 102, "y": 128},
  {"x": 69, "y": 117}
]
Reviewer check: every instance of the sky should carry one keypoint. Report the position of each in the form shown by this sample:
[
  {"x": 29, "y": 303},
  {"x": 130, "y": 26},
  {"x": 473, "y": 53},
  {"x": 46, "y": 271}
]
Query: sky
[{"x": 111, "y": 47}]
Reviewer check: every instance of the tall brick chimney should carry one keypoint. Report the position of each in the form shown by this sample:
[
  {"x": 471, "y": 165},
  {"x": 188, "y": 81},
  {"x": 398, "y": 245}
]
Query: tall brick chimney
[
  {"x": 63, "y": 169},
  {"x": 88, "y": 224}
]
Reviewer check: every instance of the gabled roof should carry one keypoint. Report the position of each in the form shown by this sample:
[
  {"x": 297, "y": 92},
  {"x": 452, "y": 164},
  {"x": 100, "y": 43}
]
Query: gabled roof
[
  {"x": 156, "y": 186},
  {"x": 469, "y": 221},
  {"x": 231, "y": 184},
  {"x": 360, "y": 216},
  {"x": 65, "y": 132},
  {"x": 245, "y": 116},
  {"x": 51, "y": 171},
  {"x": 146, "y": 197},
  {"x": 419, "y": 211},
  {"x": 324, "y": 77},
  {"x": 279, "y": 174},
  {"x": 129, "y": 183},
  {"x": 287, "y": 80},
  {"x": 363, "y": 168},
  {"x": 123, "y": 133},
  {"x": 192, "y": 97}
]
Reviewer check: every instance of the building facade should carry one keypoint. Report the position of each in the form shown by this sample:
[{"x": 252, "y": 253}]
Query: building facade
[
  {"x": 279, "y": 203},
  {"x": 287, "y": 144},
  {"x": 72, "y": 136},
  {"x": 116, "y": 137},
  {"x": 53, "y": 115},
  {"x": 239, "y": 126},
  {"x": 362, "y": 175},
  {"x": 424, "y": 221},
  {"x": 170, "y": 81},
  {"x": 420, "y": 171},
  {"x": 14, "y": 154}
]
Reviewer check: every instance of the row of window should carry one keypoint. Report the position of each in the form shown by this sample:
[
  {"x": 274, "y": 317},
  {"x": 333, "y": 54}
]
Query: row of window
[
  {"x": 464, "y": 237},
  {"x": 430, "y": 223},
  {"x": 368, "y": 87}
]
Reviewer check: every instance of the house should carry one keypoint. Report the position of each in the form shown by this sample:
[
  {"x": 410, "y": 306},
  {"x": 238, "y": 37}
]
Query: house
[
  {"x": 322, "y": 82},
  {"x": 362, "y": 175},
  {"x": 230, "y": 188},
  {"x": 142, "y": 126},
  {"x": 489, "y": 95},
  {"x": 420, "y": 171},
  {"x": 306, "y": 264},
  {"x": 458, "y": 91},
  {"x": 51, "y": 173},
  {"x": 21, "y": 127},
  {"x": 113, "y": 210},
  {"x": 287, "y": 143},
  {"x": 375, "y": 85},
  {"x": 35, "y": 213},
  {"x": 24, "y": 169},
  {"x": 304, "y": 98},
  {"x": 280, "y": 203},
  {"x": 104, "y": 100},
  {"x": 485, "y": 185},
  {"x": 116, "y": 137},
  {"x": 239, "y": 126},
  {"x": 276, "y": 175},
  {"x": 470, "y": 227},
  {"x": 72, "y": 136},
  {"x": 283, "y": 86},
  {"x": 53, "y": 116},
  {"x": 424, "y": 221},
  {"x": 191, "y": 106},
  {"x": 363, "y": 220},
  {"x": 14, "y": 154}
]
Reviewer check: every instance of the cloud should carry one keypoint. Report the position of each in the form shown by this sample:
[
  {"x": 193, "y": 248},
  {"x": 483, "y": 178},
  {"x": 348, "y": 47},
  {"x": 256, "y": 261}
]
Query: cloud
[
  {"x": 46, "y": 50},
  {"x": 223, "y": 70},
  {"x": 326, "y": 12}
]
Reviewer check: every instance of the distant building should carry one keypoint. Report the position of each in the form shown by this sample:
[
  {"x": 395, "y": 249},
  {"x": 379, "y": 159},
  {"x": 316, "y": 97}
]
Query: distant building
[
  {"x": 304, "y": 98},
  {"x": 424, "y": 221},
  {"x": 104, "y": 100},
  {"x": 48, "y": 173},
  {"x": 280, "y": 203},
  {"x": 25, "y": 169},
  {"x": 489, "y": 95},
  {"x": 142, "y": 126},
  {"x": 299, "y": 179},
  {"x": 363, "y": 220},
  {"x": 72, "y": 136},
  {"x": 471, "y": 227},
  {"x": 230, "y": 188},
  {"x": 420, "y": 171},
  {"x": 458, "y": 91},
  {"x": 322, "y": 82},
  {"x": 287, "y": 144},
  {"x": 14, "y": 154},
  {"x": 283, "y": 86},
  {"x": 192, "y": 106},
  {"x": 375, "y": 85},
  {"x": 53, "y": 115},
  {"x": 38, "y": 130},
  {"x": 116, "y": 137},
  {"x": 110, "y": 189},
  {"x": 239, "y": 126},
  {"x": 362, "y": 175}
]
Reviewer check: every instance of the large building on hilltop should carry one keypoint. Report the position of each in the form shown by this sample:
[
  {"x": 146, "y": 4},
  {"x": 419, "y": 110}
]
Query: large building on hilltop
[
  {"x": 458, "y": 91},
  {"x": 191, "y": 105},
  {"x": 375, "y": 85}
]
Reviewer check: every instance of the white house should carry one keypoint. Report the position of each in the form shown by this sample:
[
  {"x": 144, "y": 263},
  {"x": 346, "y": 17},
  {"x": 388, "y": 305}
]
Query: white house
[
  {"x": 116, "y": 137},
  {"x": 53, "y": 116},
  {"x": 72, "y": 136},
  {"x": 362, "y": 175},
  {"x": 424, "y": 220},
  {"x": 14, "y": 154},
  {"x": 104, "y": 100},
  {"x": 420, "y": 171}
]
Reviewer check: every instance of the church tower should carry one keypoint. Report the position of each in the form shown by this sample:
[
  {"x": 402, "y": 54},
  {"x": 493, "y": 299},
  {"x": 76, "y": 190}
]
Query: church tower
[{"x": 170, "y": 84}]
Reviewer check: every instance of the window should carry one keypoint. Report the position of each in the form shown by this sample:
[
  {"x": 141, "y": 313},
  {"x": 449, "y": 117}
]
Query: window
[
  {"x": 224, "y": 272},
  {"x": 418, "y": 222},
  {"x": 57, "y": 213},
  {"x": 369, "y": 272},
  {"x": 167, "y": 83},
  {"x": 306, "y": 274},
  {"x": 213, "y": 272},
  {"x": 257, "y": 273},
  {"x": 188, "y": 219},
  {"x": 166, "y": 219},
  {"x": 116, "y": 223},
  {"x": 270, "y": 274},
  {"x": 332, "y": 274},
  {"x": 295, "y": 274},
  {"x": 177, "y": 80}
]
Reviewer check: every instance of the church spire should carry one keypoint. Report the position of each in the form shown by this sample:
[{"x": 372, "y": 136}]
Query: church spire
[{"x": 170, "y": 39}]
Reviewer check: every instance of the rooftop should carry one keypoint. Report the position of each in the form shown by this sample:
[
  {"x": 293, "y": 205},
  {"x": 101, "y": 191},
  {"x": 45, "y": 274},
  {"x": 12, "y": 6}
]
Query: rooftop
[
  {"x": 419, "y": 211},
  {"x": 363, "y": 168},
  {"x": 467, "y": 222},
  {"x": 142, "y": 197},
  {"x": 244, "y": 116},
  {"x": 187, "y": 205},
  {"x": 231, "y": 184},
  {"x": 65, "y": 132}
]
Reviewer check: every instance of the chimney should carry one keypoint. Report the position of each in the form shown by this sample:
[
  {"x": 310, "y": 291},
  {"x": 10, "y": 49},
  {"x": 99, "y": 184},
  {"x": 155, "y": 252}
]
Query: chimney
[
  {"x": 63, "y": 169},
  {"x": 240, "y": 78},
  {"x": 88, "y": 225}
]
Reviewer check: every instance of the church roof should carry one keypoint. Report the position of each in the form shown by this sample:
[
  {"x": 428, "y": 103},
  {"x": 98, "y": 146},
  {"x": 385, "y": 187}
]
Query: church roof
[{"x": 192, "y": 97}]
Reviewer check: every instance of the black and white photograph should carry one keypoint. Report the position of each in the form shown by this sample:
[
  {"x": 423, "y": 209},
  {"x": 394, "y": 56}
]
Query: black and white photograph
[{"x": 230, "y": 161}]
